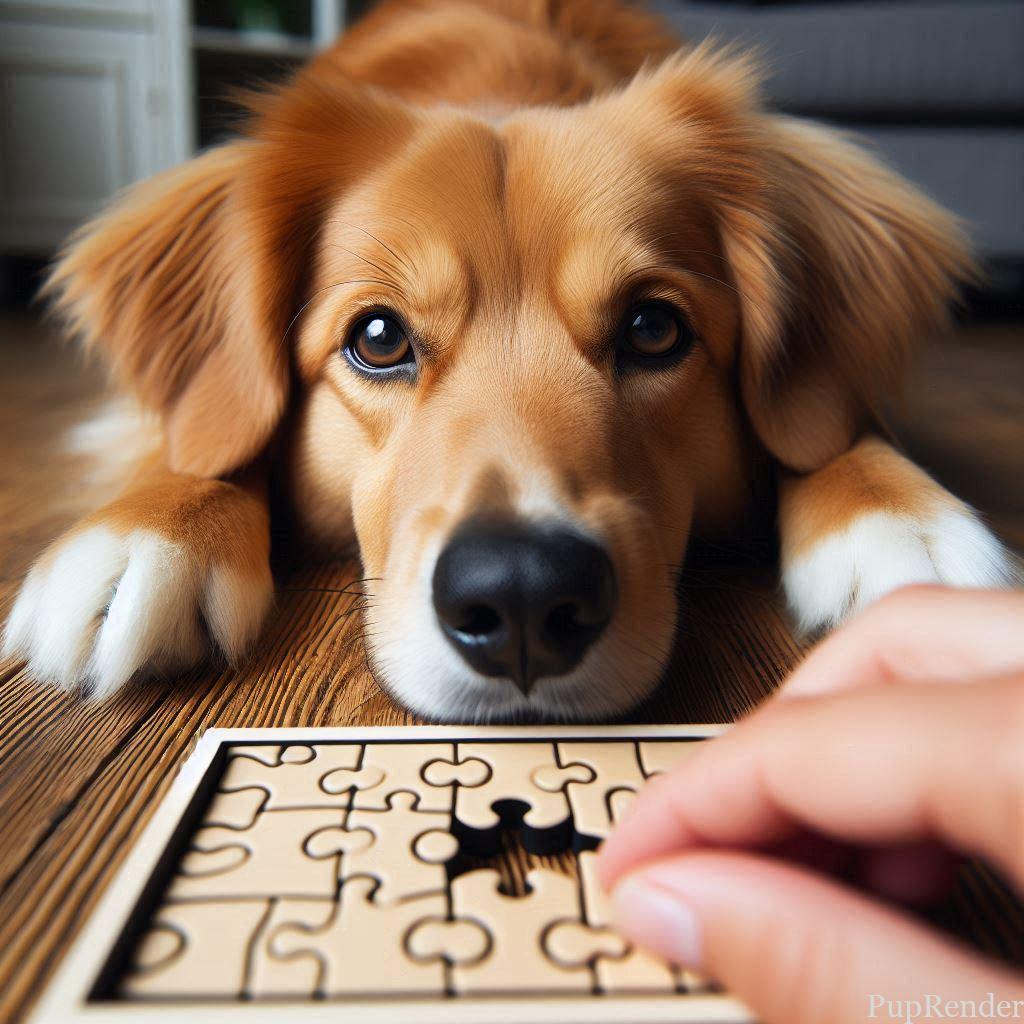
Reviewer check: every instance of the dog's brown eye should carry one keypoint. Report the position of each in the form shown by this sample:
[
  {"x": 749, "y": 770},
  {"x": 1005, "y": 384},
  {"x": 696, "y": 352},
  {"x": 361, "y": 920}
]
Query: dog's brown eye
[
  {"x": 654, "y": 331},
  {"x": 379, "y": 342}
]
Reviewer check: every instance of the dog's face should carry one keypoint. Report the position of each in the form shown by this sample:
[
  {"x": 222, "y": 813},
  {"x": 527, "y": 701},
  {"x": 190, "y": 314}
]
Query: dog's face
[
  {"x": 521, "y": 376},
  {"x": 527, "y": 357}
]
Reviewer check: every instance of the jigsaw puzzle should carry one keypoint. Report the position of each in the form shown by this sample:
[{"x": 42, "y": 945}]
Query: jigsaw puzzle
[{"x": 434, "y": 867}]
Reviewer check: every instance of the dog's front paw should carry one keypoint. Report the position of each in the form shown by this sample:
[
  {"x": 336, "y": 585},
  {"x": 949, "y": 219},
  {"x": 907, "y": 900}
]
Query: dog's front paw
[
  {"x": 847, "y": 570},
  {"x": 101, "y": 607}
]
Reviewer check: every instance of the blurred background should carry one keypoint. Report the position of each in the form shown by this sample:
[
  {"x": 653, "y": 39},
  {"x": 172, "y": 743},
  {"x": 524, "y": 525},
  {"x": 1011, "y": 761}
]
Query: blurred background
[{"x": 95, "y": 94}]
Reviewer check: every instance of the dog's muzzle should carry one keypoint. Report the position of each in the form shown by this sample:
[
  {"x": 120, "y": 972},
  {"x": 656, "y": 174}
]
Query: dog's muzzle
[{"x": 522, "y": 601}]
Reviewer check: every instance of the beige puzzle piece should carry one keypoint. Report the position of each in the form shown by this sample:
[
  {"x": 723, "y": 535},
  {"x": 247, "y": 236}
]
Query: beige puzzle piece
[
  {"x": 552, "y": 779},
  {"x": 237, "y": 809},
  {"x": 363, "y": 946},
  {"x": 454, "y": 942},
  {"x": 516, "y": 925},
  {"x": 658, "y": 756},
  {"x": 513, "y": 768},
  {"x": 615, "y": 767},
  {"x": 297, "y": 975},
  {"x": 406, "y": 848},
  {"x": 195, "y": 949},
  {"x": 471, "y": 772},
  {"x": 201, "y": 863},
  {"x": 578, "y": 946},
  {"x": 270, "y": 753},
  {"x": 296, "y": 781},
  {"x": 636, "y": 970},
  {"x": 277, "y": 863},
  {"x": 398, "y": 767}
]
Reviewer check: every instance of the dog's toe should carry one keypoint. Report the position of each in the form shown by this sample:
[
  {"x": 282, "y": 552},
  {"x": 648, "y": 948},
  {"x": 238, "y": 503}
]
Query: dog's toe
[
  {"x": 101, "y": 608},
  {"x": 882, "y": 551}
]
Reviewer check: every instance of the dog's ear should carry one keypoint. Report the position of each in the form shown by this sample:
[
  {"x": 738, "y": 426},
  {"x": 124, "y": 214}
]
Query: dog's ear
[
  {"x": 841, "y": 267},
  {"x": 190, "y": 282},
  {"x": 172, "y": 286}
]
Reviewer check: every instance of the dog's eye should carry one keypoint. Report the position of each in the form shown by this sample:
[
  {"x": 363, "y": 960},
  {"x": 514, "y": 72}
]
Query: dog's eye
[
  {"x": 378, "y": 342},
  {"x": 652, "y": 332}
]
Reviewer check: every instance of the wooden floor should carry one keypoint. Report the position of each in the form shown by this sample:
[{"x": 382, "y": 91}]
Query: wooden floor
[{"x": 78, "y": 782}]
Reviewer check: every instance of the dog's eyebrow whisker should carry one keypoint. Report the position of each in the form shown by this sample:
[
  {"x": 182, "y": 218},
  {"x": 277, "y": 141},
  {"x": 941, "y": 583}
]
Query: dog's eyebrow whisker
[
  {"x": 369, "y": 234},
  {"x": 327, "y": 287},
  {"x": 725, "y": 284},
  {"x": 385, "y": 272},
  {"x": 701, "y": 252}
]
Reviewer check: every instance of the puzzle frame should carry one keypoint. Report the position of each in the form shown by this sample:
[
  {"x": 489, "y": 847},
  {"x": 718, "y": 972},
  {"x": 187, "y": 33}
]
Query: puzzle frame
[{"x": 85, "y": 988}]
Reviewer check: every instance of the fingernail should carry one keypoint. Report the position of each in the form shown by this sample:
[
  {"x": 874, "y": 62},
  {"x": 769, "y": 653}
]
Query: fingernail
[{"x": 657, "y": 919}]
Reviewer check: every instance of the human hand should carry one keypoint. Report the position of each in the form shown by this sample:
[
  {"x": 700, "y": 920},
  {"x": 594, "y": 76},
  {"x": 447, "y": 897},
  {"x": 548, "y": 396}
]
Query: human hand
[{"x": 876, "y": 743}]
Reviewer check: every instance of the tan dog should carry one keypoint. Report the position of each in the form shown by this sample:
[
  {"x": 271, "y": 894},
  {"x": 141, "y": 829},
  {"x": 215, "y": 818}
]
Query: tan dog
[{"x": 521, "y": 300}]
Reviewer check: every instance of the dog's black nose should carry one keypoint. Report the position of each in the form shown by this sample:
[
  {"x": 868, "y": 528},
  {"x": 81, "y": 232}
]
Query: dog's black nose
[{"x": 522, "y": 601}]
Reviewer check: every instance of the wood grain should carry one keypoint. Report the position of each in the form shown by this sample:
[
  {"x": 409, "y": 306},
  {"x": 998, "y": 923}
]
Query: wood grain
[{"x": 78, "y": 782}]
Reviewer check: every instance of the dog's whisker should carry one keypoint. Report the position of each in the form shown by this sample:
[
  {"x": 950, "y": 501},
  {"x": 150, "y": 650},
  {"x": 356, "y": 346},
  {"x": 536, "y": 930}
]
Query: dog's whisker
[
  {"x": 385, "y": 272},
  {"x": 319, "y": 291},
  {"x": 401, "y": 259}
]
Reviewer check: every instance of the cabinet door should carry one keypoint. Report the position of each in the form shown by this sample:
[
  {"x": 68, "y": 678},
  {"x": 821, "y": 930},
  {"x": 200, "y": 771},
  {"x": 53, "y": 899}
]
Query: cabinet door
[{"x": 80, "y": 117}]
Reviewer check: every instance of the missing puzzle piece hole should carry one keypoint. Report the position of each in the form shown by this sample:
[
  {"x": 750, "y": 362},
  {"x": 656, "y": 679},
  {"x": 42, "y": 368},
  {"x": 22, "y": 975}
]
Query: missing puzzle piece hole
[{"x": 511, "y": 813}]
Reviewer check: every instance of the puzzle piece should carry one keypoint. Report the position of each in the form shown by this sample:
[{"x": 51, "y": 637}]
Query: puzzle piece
[
  {"x": 270, "y": 754},
  {"x": 195, "y": 949},
  {"x": 657, "y": 756},
  {"x": 296, "y": 780},
  {"x": 363, "y": 945},
  {"x": 553, "y": 779},
  {"x": 237, "y": 809},
  {"x": 276, "y": 863},
  {"x": 296, "y": 975},
  {"x": 201, "y": 863},
  {"x": 516, "y": 926},
  {"x": 633, "y": 969},
  {"x": 514, "y": 767},
  {"x": 576, "y": 945},
  {"x": 453, "y": 942},
  {"x": 399, "y": 768},
  {"x": 406, "y": 848},
  {"x": 616, "y": 770},
  {"x": 471, "y": 772}
]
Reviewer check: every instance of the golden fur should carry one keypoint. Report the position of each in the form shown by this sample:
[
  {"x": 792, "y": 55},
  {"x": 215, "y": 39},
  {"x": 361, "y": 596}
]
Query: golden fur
[{"x": 509, "y": 176}]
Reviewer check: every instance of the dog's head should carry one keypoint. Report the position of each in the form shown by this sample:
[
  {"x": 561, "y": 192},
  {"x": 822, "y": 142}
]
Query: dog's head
[{"x": 524, "y": 358}]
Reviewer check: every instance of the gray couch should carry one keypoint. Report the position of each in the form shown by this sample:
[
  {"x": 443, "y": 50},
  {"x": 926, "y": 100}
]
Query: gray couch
[{"x": 937, "y": 88}]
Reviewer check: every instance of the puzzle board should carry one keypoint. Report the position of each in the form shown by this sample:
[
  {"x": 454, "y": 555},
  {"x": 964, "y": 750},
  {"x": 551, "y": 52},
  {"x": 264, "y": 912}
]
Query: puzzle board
[{"x": 422, "y": 873}]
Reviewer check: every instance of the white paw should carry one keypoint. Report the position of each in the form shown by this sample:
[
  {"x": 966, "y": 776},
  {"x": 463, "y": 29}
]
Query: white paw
[
  {"x": 100, "y": 608},
  {"x": 882, "y": 551}
]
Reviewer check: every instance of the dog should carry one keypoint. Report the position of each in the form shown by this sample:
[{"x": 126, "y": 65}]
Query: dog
[{"x": 521, "y": 298}]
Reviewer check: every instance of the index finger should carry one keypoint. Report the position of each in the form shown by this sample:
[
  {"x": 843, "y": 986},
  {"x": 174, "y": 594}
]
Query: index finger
[
  {"x": 918, "y": 634},
  {"x": 873, "y": 767}
]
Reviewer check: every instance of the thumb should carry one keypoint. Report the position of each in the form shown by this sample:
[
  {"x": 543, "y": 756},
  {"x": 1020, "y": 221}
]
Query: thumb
[{"x": 798, "y": 948}]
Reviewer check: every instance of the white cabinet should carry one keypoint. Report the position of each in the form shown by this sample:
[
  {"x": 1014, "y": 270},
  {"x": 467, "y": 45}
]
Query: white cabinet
[{"x": 93, "y": 96}]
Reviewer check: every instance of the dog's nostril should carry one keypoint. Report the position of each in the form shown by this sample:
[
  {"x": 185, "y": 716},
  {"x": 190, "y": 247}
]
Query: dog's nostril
[
  {"x": 562, "y": 625},
  {"x": 479, "y": 620}
]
